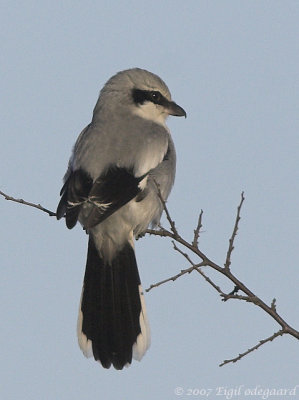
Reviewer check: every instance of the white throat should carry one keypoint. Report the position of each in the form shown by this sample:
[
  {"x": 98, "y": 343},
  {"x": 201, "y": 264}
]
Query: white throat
[{"x": 152, "y": 112}]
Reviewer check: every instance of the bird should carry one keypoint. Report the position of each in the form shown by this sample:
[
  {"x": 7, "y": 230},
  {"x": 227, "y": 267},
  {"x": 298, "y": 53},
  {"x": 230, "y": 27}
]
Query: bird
[{"x": 121, "y": 165}]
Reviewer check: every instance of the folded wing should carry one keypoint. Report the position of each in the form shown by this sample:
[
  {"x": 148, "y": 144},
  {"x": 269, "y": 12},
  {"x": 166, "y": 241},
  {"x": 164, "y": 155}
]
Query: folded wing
[{"x": 100, "y": 198}]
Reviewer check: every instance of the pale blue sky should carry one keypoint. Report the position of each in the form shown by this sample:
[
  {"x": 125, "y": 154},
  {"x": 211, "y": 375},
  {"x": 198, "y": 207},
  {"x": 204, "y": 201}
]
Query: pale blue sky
[{"x": 233, "y": 66}]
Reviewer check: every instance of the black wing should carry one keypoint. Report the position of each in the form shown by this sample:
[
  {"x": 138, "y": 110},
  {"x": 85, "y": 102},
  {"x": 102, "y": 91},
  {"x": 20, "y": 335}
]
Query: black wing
[
  {"x": 74, "y": 193},
  {"x": 110, "y": 191}
]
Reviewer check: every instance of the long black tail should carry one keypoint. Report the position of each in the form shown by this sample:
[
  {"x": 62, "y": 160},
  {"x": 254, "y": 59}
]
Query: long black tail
[{"x": 112, "y": 323}]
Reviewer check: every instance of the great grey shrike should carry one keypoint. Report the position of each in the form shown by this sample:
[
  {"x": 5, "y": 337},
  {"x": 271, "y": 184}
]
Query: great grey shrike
[{"x": 110, "y": 187}]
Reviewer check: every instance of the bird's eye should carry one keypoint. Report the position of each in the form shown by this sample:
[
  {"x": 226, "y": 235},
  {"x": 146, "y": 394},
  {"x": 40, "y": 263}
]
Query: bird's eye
[{"x": 156, "y": 96}]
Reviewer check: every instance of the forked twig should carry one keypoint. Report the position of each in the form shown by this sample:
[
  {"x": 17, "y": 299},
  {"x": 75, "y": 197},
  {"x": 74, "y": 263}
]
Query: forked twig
[
  {"x": 205, "y": 262},
  {"x": 238, "y": 285}
]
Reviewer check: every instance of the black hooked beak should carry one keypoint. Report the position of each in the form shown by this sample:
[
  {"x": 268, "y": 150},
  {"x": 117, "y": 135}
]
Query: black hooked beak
[{"x": 175, "y": 109}]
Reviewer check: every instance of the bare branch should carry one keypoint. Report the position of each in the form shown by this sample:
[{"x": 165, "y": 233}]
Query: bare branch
[
  {"x": 159, "y": 232},
  {"x": 234, "y": 234},
  {"x": 261, "y": 342},
  {"x": 273, "y": 304},
  {"x": 239, "y": 297},
  {"x": 248, "y": 296},
  {"x": 198, "y": 269},
  {"x": 26, "y": 203},
  {"x": 197, "y": 230},
  {"x": 169, "y": 219},
  {"x": 183, "y": 254},
  {"x": 173, "y": 278},
  {"x": 210, "y": 282}
]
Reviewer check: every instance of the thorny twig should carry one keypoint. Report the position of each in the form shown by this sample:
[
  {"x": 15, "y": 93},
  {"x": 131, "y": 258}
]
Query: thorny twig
[
  {"x": 26, "y": 203},
  {"x": 169, "y": 219},
  {"x": 261, "y": 342},
  {"x": 234, "y": 234},
  {"x": 205, "y": 262},
  {"x": 239, "y": 286},
  {"x": 197, "y": 230}
]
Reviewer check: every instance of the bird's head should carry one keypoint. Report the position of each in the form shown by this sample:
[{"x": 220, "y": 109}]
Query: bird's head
[{"x": 140, "y": 93}]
